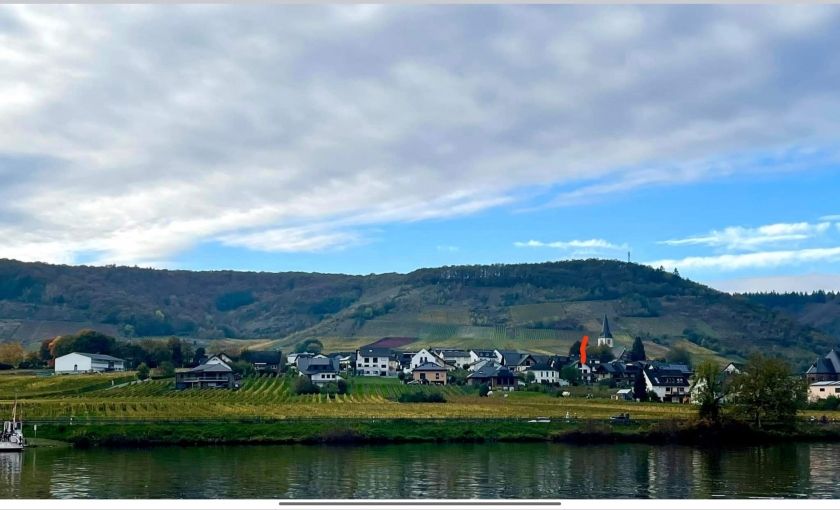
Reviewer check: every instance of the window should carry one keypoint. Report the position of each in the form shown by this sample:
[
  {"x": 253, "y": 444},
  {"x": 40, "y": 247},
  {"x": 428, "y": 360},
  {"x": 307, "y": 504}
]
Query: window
[
  {"x": 822, "y": 389},
  {"x": 836, "y": 390},
  {"x": 437, "y": 375},
  {"x": 376, "y": 360},
  {"x": 668, "y": 390},
  {"x": 367, "y": 360}
]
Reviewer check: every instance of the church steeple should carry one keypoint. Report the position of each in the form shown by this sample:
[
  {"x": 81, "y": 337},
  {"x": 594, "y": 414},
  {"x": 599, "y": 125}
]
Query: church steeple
[{"x": 606, "y": 336}]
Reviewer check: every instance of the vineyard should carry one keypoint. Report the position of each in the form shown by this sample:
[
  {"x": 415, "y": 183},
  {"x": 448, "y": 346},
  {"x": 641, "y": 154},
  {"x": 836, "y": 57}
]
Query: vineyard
[{"x": 273, "y": 398}]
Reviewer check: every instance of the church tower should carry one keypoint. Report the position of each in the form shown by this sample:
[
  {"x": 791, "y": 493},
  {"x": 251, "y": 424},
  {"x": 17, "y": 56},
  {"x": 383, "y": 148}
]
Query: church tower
[{"x": 606, "y": 337}]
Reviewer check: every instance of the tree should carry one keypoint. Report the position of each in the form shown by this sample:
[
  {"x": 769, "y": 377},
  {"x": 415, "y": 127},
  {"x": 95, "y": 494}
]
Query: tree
[
  {"x": 200, "y": 353},
  {"x": 12, "y": 353},
  {"x": 603, "y": 353},
  {"x": 707, "y": 390},
  {"x": 243, "y": 368},
  {"x": 312, "y": 345},
  {"x": 303, "y": 386},
  {"x": 637, "y": 352},
  {"x": 167, "y": 369},
  {"x": 176, "y": 351},
  {"x": 574, "y": 350},
  {"x": 678, "y": 355},
  {"x": 143, "y": 371},
  {"x": 767, "y": 390},
  {"x": 570, "y": 374},
  {"x": 640, "y": 388}
]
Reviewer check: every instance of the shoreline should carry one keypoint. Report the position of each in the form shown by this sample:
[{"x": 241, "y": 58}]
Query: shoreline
[{"x": 359, "y": 432}]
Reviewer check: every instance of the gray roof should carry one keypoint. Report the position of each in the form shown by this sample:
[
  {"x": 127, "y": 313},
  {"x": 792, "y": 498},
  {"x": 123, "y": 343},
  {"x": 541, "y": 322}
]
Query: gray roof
[
  {"x": 666, "y": 377},
  {"x": 605, "y": 328},
  {"x": 310, "y": 366},
  {"x": 429, "y": 367},
  {"x": 541, "y": 366},
  {"x": 102, "y": 357},
  {"x": 268, "y": 357},
  {"x": 213, "y": 367},
  {"x": 489, "y": 371},
  {"x": 484, "y": 353},
  {"x": 375, "y": 352},
  {"x": 452, "y": 353}
]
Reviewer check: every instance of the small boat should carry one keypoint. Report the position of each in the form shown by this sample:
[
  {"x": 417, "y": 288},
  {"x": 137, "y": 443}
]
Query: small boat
[{"x": 11, "y": 437}]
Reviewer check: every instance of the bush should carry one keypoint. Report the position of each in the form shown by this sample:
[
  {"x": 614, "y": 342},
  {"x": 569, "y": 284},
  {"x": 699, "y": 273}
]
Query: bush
[
  {"x": 483, "y": 390},
  {"x": 831, "y": 403},
  {"x": 421, "y": 396},
  {"x": 335, "y": 388},
  {"x": 167, "y": 369},
  {"x": 303, "y": 386},
  {"x": 142, "y": 371}
]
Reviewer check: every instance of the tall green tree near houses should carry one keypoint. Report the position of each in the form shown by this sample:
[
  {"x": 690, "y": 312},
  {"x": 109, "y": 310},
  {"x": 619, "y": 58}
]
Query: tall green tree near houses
[
  {"x": 637, "y": 352},
  {"x": 707, "y": 390},
  {"x": 574, "y": 350},
  {"x": 640, "y": 388},
  {"x": 768, "y": 391}
]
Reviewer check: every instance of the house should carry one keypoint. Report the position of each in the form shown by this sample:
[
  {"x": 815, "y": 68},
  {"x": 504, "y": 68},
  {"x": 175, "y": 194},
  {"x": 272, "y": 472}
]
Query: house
[
  {"x": 346, "y": 360},
  {"x": 623, "y": 394},
  {"x": 429, "y": 373},
  {"x": 545, "y": 374},
  {"x": 823, "y": 389},
  {"x": 605, "y": 338},
  {"x": 217, "y": 374},
  {"x": 668, "y": 381},
  {"x": 509, "y": 358},
  {"x": 826, "y": 368},
  {"x": 612, "y": 370},
  {"x": 320, "y": 369},
  {"x": 376, "y": 362},
  {"x": 424, "y": 357},
  {"x": 80, "y": 362},
  {"x": 292, "y": 358},
  {"x": 493, "y": 375},
  {"x": 264, "y": 362},
  {"x": 454, "y": 357},
  {"x": 477, "y": 355},
  {"x": 585, "y": 370},
  {"x": 218, "y": 358}
]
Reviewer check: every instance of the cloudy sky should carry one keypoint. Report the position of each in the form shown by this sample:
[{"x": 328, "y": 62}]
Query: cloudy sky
[{"x": 370, "y": 139}]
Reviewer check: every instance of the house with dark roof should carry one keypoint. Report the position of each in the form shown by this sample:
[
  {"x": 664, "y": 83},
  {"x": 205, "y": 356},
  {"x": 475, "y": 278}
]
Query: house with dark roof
[
  {"x": 482, "y": 354},
  {"x": 217, "y": 374},
  {"x": 493, "y": 375},
  {"x": 545, "y": 374},
  {"x": 320, "y": 369},
  {"x": 264, "y": 362},
  {"x": 429, "y": 373},
  {"x": 670, "y": 382},
  {"x": 826, "y": 368},
  {"x": 454, "y": 357},
  {"x": 377, "y": 362}
]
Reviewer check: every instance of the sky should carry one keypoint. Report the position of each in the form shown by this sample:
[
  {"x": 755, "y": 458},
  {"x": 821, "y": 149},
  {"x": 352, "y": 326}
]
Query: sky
[{"x": 368, "y": 139}]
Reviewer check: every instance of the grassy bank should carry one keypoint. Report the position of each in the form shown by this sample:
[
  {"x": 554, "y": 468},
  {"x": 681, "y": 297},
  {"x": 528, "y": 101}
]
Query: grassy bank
[{"x": 438, "y": 431}]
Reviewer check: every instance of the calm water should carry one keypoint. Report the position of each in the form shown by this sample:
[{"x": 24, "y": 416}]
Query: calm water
[{"x": 424, "y": 471}]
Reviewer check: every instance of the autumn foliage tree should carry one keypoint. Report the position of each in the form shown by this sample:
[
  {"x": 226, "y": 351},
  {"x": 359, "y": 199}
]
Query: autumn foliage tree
[{"x": 12, "y": 353}]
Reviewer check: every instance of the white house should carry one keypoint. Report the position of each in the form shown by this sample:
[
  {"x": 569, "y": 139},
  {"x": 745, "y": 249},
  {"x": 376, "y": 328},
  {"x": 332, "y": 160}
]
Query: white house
[
  {"x": 320, "y": 369},
  {"x": 477, "y": 355},
  {"x": 669, "y": 382},
  {"x": 80, "y": 362},
  {"x": 456, "y": 357},
  {"x": 545, "y": 374},
  {"x": 423, "y": 357},
  {"x": 376, "y": 362},
  {"x": 823, "y": 389}
]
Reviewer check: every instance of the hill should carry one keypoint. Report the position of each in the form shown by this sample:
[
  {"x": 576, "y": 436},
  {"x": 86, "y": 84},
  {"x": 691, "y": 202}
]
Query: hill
[{"x": 542, "y": 307}]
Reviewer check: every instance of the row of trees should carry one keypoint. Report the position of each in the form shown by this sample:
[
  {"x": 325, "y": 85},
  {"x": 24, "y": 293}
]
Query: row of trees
[{"x": 766, "y": 391}]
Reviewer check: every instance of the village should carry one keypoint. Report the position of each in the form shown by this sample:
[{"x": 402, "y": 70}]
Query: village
[{"x": 625, "y": 373}]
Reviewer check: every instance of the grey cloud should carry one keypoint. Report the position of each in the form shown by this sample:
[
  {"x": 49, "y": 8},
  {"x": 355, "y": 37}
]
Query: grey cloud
[{"x": 193, "y": 123}]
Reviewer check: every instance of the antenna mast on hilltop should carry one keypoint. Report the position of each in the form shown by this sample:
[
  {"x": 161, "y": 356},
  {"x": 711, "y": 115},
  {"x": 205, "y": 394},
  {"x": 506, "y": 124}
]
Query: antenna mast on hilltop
[{"x": 628, "y": 257}]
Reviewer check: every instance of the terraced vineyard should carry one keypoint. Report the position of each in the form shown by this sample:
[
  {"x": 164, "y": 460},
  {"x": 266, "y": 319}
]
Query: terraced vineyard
[{"x": 271, "y": 397}]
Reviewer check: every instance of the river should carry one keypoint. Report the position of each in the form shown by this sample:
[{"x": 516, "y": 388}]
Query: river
[{"x": 501, "y": 470}]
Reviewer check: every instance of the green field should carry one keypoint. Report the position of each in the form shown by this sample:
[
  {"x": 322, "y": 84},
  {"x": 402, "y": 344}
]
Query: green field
[{"x": 92, "y": 398}]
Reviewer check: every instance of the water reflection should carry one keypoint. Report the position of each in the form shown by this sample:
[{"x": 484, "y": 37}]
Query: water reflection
[{"x": 424, "y": 471}]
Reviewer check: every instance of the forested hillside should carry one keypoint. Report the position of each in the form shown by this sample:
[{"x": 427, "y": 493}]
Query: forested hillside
[{"x": 544, "y": 307}]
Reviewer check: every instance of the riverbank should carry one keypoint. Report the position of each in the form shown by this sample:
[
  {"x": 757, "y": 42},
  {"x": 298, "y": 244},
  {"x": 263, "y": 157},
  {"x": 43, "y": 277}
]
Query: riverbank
[{"x": 431, "y": 431}]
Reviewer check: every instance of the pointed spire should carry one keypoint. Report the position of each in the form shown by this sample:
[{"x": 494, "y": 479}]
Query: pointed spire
[{"x": 605, "y": 330}]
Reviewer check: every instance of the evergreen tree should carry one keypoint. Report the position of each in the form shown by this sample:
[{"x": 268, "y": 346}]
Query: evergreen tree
[
  {"x": 574, "y": 350},
  {"x": 637, "y": 352},
  {"x": 640, "y": 388}
]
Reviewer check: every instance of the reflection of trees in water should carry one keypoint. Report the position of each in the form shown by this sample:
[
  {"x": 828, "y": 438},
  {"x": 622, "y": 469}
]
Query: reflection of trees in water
[
  {"x": 10, "y": 469},
  {"x": 533, "y": 470}
]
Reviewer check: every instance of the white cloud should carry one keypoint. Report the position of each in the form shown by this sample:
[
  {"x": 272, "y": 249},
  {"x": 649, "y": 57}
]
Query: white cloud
[
  {"x": 783, "y": 283},
  {"x": 766, "y": 259},
  {"x": 131, "y": 133},
  {"x": 448, "y": 248},
  {"x": 745, "y": 238},
  {"x": 595, "y": 244}
]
